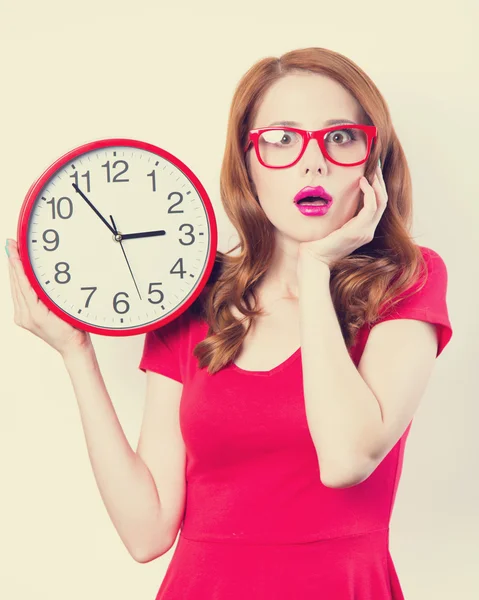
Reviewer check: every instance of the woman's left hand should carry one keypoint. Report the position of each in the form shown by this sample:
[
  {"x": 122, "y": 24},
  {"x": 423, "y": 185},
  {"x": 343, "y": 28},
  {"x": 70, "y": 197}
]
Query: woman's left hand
[{"x": 354, "y": 233}]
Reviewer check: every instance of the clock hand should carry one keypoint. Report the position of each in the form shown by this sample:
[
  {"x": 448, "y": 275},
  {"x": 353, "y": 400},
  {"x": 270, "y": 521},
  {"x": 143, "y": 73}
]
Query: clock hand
[
  {"x": 78, "y": 190},
  {"x": 129, "y": 236},
  {"x": 118, "y": 237}
]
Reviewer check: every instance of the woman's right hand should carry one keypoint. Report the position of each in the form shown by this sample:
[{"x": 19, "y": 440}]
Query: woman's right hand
[{"x": 32, "y": 314}]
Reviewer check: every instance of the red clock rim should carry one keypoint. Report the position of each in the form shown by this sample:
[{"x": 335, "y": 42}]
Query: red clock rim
[{"x": 38, "y": 185}]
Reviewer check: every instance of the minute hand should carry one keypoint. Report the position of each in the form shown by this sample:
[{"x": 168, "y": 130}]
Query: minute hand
[
  {"x": 129, "y": 236},
  {"x": 78, "y": 190}
]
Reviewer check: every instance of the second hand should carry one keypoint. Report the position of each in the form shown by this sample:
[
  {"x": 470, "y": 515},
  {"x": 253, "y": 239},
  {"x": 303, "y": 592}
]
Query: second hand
[{"x": 124, "y": 253}]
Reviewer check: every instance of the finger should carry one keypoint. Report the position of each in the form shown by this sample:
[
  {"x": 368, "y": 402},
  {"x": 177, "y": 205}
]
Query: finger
[
  {"x": 370, "y": 216},
  {"x": 381, "y": 202},
  {"x": 23, "y": 281},
  {"x": 20, "y": 298},
  {"x": 26, "y": 294},
  {"x": 13, "y": 288},
  {"x": 13, "y": 280},
  {"x": 27, "y": 298},
  {"x": 370, "y": 201},
  {"x": 380, "y": 193},
  {"x": 20, "y": 312}
]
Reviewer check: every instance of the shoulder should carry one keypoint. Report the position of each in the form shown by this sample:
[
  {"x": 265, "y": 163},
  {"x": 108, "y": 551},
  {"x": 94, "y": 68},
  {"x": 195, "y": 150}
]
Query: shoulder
[
  {"x": 434, "y": 260},
  {"x": 429, "y": 279},
  {"x": 433, "y": 281},
  {"x": 426, "y": 299}
]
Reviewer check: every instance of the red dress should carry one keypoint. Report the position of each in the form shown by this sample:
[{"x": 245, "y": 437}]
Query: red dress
[{"x": 258, "y": 522}]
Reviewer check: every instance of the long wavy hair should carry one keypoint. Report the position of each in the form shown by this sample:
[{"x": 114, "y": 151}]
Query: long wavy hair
[{"x": 362, "y": 283}]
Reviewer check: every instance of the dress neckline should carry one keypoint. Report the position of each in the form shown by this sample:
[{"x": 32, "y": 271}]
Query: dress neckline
[{"x": 272, "y": 371}]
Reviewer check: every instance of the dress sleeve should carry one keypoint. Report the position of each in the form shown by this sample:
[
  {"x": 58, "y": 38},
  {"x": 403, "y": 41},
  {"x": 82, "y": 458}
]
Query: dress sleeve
[
  {"x": 429, "y": 304},
  {"x": 162, "y": 350}
]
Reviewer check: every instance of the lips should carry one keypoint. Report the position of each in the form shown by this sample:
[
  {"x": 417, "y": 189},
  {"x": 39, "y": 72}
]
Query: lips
[{"x": 318, "y": 192}]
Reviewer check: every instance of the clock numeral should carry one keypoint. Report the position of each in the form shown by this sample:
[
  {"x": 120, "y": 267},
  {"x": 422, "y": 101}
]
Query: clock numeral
[
  {"x": 150, "y": 291},
  {"x": 189, "y": 233},
  {"x": 59, "y": 272},
  {"x": 86, "y": 175},
  {"x": 56, "y": 239},
  {"x": 87, "y": 303},
  {"x": 181, "y": 271},
  {"x": 176, "y": 203},
  {"x": 116, "y": 177},
  {"x": 153, "y": 179},
  {"x": 57, "y": 207},
  {"x": 122, "y": 301}
]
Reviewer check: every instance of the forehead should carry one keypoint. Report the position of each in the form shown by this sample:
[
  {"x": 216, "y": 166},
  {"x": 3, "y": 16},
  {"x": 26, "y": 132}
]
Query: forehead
[{"x": 309, "y": 98}]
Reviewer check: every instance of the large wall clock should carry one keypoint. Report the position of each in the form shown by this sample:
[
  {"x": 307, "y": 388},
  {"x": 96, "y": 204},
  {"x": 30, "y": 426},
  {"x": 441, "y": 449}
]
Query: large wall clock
[{"x": 117, "y": 237}]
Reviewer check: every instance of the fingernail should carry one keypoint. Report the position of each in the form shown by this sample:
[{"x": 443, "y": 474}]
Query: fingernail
[
  {"x": 379, "y": 163},
  {"x": 6, "y": 250}
]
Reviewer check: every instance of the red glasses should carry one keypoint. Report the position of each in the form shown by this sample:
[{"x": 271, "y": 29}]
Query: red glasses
[{"x": 281, "y": 147}]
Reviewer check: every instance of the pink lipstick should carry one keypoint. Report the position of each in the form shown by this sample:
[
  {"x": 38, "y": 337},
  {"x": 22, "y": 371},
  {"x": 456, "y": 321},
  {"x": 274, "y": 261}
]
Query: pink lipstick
[
  {"x": 313, "y": 210},
  {"x": 313, "y": 201}
]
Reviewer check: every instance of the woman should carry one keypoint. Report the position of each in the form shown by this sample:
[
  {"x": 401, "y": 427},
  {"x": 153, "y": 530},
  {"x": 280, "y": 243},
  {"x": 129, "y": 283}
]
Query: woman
[{"x": 277, "y": 409}]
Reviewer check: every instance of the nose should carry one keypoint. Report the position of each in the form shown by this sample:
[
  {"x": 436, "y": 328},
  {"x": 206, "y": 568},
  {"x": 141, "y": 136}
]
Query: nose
[{"x": 313, "y": 159}]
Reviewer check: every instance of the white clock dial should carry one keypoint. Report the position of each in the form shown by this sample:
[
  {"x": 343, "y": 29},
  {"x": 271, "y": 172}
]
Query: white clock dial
[{"x": 81, "y": 266}]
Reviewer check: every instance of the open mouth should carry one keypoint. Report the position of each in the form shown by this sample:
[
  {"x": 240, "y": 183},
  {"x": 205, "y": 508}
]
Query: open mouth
[{"x": 313, "y": 201}]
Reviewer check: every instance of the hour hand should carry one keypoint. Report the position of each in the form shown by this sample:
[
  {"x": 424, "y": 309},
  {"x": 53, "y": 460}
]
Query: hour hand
[
  {"x": 141, "y": 234},
  {"x": 78, "y": 190}
]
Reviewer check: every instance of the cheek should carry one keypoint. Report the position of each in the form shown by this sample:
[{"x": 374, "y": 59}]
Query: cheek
[
  {"x": 349, "y": 202},
  {"x": 269, "y": 184},
  {"x": 354, "y": 196},
  {"x": 272, "y": 187},
  {"x": 353, "y": 190}
]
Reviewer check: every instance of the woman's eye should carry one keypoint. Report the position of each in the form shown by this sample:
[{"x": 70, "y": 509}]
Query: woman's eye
[
  {"x": 336, "y": 136},
  {"x": 289, "y": 137},
  {"x": 280, "y": 137}
]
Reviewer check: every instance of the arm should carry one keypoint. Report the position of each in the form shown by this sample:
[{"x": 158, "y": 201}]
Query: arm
[
  {"x": 131, "y": 484},
  {"x": 125, "y": 483},
  {"x": 352, "y": 427}
]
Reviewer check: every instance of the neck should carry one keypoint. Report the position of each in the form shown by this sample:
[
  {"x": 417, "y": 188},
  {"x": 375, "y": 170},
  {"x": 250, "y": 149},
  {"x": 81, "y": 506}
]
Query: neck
[{"x": 281, "y": 279}]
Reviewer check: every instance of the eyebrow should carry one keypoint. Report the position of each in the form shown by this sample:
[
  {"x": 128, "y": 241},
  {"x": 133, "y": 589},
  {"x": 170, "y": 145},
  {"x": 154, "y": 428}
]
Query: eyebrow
[{"x": 296, "y": 124}]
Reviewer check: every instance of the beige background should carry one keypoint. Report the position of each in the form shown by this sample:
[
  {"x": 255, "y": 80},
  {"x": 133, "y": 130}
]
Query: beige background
[{"x": 75, "y": 72}]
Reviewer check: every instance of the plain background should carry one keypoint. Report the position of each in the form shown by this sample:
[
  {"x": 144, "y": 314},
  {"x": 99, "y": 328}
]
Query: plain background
[{"x": 165, "y": 73}]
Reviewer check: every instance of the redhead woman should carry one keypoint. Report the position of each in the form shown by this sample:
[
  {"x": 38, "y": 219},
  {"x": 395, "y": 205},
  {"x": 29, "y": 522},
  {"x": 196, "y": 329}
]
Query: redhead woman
[{"x": 279, "y": 404}]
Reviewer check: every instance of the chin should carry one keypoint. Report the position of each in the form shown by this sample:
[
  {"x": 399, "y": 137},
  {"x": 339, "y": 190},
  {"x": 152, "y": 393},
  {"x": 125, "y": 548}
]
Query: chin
[{"x": 304, "y": 236}]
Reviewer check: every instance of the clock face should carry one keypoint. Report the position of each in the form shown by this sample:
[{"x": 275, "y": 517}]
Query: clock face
[{"x": 119, "y": 237}]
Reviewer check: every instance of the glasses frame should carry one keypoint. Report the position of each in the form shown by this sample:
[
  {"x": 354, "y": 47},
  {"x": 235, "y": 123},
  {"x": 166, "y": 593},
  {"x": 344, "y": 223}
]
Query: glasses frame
[{"x": 253, "y": 137}]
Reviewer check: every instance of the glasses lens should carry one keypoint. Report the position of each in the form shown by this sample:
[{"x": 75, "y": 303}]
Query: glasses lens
[
  {"x": 281, "y": 147},
  {"x": 347, "y": 145}
]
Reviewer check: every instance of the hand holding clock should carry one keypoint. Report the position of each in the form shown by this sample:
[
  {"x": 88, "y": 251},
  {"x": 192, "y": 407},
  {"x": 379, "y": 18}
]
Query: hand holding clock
[{"x": 32, "y": 314}]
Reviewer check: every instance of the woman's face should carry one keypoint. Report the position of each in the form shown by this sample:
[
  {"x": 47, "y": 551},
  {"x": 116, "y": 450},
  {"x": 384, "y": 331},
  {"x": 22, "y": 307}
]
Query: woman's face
[{"x": 310, "y": 100}]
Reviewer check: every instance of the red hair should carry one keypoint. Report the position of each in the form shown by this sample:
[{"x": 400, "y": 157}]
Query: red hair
[{"x": 364, "y": 281}]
